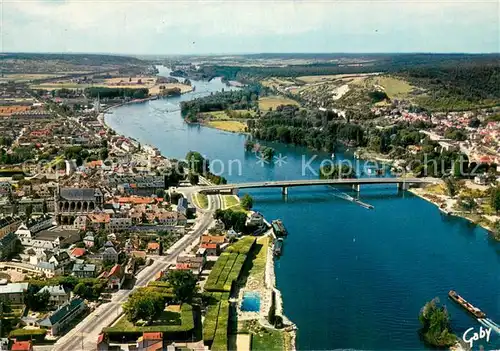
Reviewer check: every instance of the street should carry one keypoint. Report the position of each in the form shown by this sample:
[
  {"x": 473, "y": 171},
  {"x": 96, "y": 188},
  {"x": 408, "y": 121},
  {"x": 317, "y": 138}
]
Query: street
[{"x": 84, "y": 335}]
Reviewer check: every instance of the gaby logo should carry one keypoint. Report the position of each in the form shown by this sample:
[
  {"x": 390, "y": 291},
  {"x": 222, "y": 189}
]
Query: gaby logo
[{"x": 470, "y": 336}]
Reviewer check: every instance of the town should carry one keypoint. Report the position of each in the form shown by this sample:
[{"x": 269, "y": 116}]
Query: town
[{"x": 107, "y": 244}]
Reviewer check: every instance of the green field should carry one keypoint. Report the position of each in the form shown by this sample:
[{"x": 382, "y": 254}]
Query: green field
[
  {"x": 168, "y": 322},
  {"x": 269, "y": 103},
  {"x": 228, "y": 126},
  {"x": 394, "y": 87},
  {"x": 263, "y": 339},
  {"x": 230, "y": 201},
  {"x": 201, "y": 200}
]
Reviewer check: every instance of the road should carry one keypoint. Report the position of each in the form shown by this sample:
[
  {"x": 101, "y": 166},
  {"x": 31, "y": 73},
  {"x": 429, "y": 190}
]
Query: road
[
  {"x": 213, "y": 189},
  {"x": 84, "y": 335}
]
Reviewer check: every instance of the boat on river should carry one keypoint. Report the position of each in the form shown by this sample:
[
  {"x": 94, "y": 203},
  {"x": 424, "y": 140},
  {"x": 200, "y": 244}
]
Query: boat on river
[
  {"x": 476, "y": 312},
  {"x": 278, "y": 228},
  {"x": 278, "y": 247}
]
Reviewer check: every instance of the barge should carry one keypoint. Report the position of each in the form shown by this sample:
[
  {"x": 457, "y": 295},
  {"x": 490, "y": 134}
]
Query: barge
[
  {"x": 278, "y": 247},
  {"x": 278, "y": 228},
  {"x": 476, "y": 312}
]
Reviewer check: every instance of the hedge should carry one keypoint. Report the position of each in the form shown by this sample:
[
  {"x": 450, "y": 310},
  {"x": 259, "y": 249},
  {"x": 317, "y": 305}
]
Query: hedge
[
  {"x": 242, "y": 246},
  {"x": 225, "y": 272},
  {"x": 220, "y": 339},
  {"x": 216, "y": 270},
  {"x": 28, "y": 334},
  {"x": 235, "y": 272},
  {"x": 210, "y": 323}
]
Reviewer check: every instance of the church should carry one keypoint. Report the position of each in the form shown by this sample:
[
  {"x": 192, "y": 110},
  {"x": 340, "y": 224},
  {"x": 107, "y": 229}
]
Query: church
[{"x": 70, "y": 203}]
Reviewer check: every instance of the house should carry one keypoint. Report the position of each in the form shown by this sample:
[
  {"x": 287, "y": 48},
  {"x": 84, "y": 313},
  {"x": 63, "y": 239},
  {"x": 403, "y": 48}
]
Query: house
[
  {"x": 212, "y": 244},
  {"x": 150, "y": 341},
  {"x": 481, "y": 179},
  {"x": 109, "y": 254},
  {"x": 58, "y": 320},
  {"x": 49, "y": 269},
  {"x": 115, "y": 277},
  {"x": 58, "y": 295},
  {"x": 13, "y": 293},
  {"x": 194, "y": 263},
  {"x": 182, "y": 206},
  {"x": 78, "y": 252},
  {"x": 89, "y": 240},
  {"x": 81, "y": 270},
  {"x": 255, "y": 219},
  {"x": 231, "y": 234},
  {"x": 22, "y": 346},
  {"x": 154, "y": 248},
  {"x": 8, "y": 225},
  {"x": 211, "y": 249},
  {"x": 60, "y": 259},
  {"x": 8, "y": 245}
]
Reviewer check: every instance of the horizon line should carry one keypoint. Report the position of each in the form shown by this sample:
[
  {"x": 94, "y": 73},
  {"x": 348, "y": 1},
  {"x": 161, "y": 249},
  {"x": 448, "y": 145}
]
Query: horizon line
[{"x": 256, "y": 53}]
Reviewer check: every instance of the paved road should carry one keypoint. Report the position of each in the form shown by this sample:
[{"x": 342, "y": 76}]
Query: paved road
[
  {"x": 84, "y": 335},
  {"x": 213, "y": 189}
]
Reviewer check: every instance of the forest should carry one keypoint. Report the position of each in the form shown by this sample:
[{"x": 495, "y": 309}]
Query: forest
[
  {"x": 244, "y": 99},
  {"x": 457, "y": 86},
  {"x": 311, "y": 128},
  {"x": 110, "y": 93}
]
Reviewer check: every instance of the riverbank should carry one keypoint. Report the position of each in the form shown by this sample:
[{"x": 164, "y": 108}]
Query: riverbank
[
  {"x": 288, "y": 333},
  {"x": 446, "y": 205}
]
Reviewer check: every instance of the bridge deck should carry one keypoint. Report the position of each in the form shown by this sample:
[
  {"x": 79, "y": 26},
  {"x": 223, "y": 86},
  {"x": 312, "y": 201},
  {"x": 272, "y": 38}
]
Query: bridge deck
[{"x": 310, "y": 182}]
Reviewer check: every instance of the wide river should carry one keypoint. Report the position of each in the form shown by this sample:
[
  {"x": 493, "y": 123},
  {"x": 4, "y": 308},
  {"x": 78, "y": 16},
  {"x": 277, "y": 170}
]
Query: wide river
[{"x": 351, "y": 278}]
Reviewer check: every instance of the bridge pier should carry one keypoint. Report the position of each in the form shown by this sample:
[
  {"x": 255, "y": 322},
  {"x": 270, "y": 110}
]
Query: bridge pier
[
  {"x": 403, "y": 186},
  {"x": 356, "y": 187},
  {"x": 284, "y": 190}
]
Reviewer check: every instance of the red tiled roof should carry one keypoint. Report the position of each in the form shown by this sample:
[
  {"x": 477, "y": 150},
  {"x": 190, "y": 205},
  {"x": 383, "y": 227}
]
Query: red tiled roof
[
  {"x": 208, "y": 246},
  {"x": 182, "y": 266},
  {"x": 158, "y": 346},
  {"x": 78, "y": 252},
  {"x": 21, "y": 346},
  {"x": 220, "y": 239},
  {"x": 100, "y": 338},
  {"x": 116, "y": 270},
  {"x": 153, "y": 246},
  {"x": 152, "y": 336}
]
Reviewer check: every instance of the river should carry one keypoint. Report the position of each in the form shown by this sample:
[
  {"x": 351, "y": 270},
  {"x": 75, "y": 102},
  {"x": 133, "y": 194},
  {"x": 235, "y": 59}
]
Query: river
[{"x": 350, "y": 277}]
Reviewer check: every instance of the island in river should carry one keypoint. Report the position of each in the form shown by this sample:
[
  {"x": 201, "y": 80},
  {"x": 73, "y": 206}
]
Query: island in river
[{"x": 349, "y": 277}]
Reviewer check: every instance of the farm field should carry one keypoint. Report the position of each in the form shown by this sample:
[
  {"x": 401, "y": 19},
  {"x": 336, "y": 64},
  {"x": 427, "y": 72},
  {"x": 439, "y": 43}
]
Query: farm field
[
  {"x": 269, "y": 103},
  {"x": 394, "y": 87},
  {"x": 229, "y": 126}
]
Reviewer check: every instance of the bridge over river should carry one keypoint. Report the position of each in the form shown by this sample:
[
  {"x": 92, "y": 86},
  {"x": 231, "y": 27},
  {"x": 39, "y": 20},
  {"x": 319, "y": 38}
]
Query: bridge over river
[{"x": 402, "y": 184}]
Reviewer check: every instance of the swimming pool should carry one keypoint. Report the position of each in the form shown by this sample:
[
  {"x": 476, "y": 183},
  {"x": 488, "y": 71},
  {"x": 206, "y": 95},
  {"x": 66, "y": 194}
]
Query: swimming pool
[{"x": 251, "y": 302}]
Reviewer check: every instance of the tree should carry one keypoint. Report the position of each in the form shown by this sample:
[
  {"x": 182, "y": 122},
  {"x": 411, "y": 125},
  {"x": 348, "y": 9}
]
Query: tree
[
  {"x": 451, "y": 186},
  {"x": 36, "y": 301},
  {"x": 495, "y": 199},
  {"x": 246, "y": 202},
  {"x": 196, "y": 162},
  {"x": 160, "y": 193},
  {"x": 436, "y": 327},
  {"x": 474, "y": 122},
  {"x": 496, "y": 230},
  {"x": 144, "y": 304},
  {"x": 467, "y": 203},
  {"x": 183, "y": 284},
  {"x": 193, "y": 178}
]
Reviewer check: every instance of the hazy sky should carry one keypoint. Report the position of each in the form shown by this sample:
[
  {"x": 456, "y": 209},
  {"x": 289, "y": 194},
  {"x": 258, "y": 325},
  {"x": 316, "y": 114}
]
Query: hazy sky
[{"x": 247, "y": 26}]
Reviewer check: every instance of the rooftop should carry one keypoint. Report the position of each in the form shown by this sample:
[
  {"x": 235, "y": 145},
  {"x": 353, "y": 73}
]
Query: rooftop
[{"x": 13, "y": 288}]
